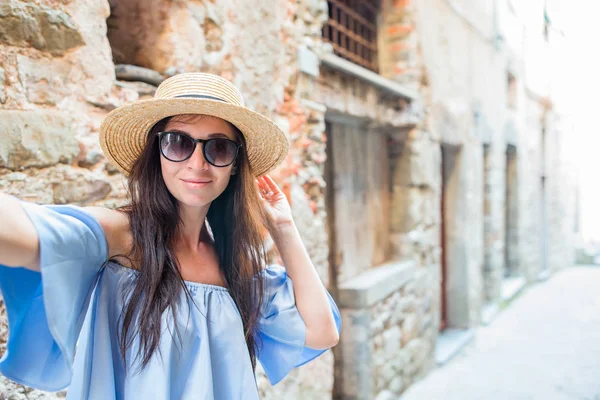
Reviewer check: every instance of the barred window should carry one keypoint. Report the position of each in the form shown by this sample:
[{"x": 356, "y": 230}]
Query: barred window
[{"x": 352, "y": 30}]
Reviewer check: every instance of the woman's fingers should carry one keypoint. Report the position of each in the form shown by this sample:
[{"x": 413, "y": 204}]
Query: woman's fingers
[
  {"x": 263, "y": 187},
  {"x": 271, "y": 184}
]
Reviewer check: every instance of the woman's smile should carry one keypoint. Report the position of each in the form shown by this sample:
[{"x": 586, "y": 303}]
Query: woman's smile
[{"x": 196, "y": 183}]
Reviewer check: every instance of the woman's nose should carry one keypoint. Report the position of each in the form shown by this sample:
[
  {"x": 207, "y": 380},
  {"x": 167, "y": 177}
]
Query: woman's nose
[{"x": 197, "y": 160}]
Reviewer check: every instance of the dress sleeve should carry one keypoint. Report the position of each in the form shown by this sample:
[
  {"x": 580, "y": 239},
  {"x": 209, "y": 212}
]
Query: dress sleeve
[
  {"x": 281, "y": 330},
  {"x": 46, "y": 309}
]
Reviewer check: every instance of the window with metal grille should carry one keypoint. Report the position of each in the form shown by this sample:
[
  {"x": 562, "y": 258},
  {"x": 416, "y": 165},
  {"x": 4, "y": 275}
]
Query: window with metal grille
[{"x": 352, "y": 30}]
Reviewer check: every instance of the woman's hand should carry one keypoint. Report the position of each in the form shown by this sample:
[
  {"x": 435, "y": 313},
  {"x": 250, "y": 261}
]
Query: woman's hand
[
  {"x": 310, "y": 295},
  {"x": 274, "y": 202}
]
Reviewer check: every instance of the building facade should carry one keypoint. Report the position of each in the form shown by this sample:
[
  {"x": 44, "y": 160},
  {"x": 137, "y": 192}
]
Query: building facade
[{"x": 427, "y": 170}]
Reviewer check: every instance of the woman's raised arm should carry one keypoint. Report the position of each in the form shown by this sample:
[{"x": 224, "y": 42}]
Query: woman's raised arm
[{"x": 19, "y": 242}]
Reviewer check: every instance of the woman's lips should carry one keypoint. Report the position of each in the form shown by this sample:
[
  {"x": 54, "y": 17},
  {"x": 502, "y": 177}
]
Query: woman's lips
[{"x": 195, "y": 183}]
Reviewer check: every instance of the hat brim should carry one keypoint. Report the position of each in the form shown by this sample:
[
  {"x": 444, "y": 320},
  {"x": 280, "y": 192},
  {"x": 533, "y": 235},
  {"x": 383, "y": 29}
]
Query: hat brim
[{"x": 124, "y": 131}]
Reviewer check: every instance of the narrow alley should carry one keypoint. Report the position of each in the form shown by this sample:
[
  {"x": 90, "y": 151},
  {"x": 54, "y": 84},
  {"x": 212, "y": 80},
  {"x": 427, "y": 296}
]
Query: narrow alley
[{"x": 545, "y": 345}]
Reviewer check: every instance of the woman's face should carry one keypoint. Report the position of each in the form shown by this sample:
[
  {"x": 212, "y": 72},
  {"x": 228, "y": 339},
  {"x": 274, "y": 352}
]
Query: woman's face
[{"x": 194, "y": 182}]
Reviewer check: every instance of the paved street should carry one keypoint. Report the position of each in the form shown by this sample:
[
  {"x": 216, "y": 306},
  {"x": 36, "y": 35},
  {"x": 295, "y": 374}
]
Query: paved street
[{"x": 545, "y": 345}]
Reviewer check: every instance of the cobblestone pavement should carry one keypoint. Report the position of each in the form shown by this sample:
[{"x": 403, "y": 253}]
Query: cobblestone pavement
[{"x": 545, "y": 345}]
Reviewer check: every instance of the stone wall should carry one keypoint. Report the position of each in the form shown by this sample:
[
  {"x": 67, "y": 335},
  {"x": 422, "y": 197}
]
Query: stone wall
[
  {"x": 403, "y": 340},
  {"x": 58, "y": 81},
  {"x": 389, "y": 339},
  {"x": 58, "y": 90},
  {"x": 547, "y": 202},
  {"x": 401, "y": 60},
  {"x": 64, "y": 90},
  {"x": 511, "y": 215},
  {"x": 461, "y": 112},
  {"x": 485, "y": 91},
  {"x": 404, "y": 325},
  {"x": 449, "y": 51},
  {"x": 56, "y": 84},
  {"x": 561, "y": 173},
  {"x": 493, "y": 266},
  {"x": 531, "y": 195}
]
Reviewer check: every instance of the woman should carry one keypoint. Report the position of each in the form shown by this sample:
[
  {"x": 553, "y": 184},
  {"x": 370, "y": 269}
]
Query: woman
[{"x": 168, "y": 298}]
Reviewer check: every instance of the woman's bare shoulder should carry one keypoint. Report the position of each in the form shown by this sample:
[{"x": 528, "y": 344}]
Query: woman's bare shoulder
[{"x": 116, "y": 229}]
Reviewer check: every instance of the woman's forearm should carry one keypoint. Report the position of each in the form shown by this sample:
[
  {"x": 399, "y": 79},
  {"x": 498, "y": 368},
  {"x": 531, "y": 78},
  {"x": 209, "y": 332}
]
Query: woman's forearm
[
  {"x": 19, "y": 243},
  {"x": 311, "y": 297}
]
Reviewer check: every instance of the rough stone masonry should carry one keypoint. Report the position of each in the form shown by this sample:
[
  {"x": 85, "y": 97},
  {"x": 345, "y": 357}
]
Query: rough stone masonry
[{"x": 447, "y": 145}]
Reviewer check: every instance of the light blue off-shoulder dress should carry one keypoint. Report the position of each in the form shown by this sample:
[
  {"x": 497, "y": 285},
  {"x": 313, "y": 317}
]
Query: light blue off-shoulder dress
[{"x": 63, "y": 323}]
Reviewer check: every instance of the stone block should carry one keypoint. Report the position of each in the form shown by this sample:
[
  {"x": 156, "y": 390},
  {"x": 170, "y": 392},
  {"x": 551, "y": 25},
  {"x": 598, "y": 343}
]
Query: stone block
[
  {"x": 2, "y": 91},
  {"x": 374, "y": 285},
  {"x": 431, "y": 209},
  {"x": 23, "y": 186},
  {"x": 422, "y": 282},
  {"x": 311, "y": 227},
  {"x": 43, "y": 28},
  {"x": 407, "y": 304},
  {"x": 380, "y": 321},
  {"x": 425, "y": 163},
  {"x": 60, "y": 184},
  {"x": 418, "y": 350},
  {"x": 90, "y": 152},
  {"x": 409, "y": 329},
  {"x": 399, "y": 361},
  {"x": 308, "y": 61},
  {"x": 388, "y": 373},
  {"x": 45, "y": 80},
  {"x": 81, "y": 187},
  {"x": 420, "y": 165},
  {"x": 37, "y": 138},
  {"x": 407, "y": 210},
  {"x": 427, "y": 323},
  {"x": 397, "y": 385},
  {"x": 402, "y": 247},
  {"x": 12, "y": 390},
  {"x": 385, "y": 395},
  {"x": 392, "y": 339}
]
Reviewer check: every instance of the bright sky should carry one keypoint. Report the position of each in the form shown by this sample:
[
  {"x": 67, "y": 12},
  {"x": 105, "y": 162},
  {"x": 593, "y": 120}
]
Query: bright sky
[{"x": 581, "y": 19}]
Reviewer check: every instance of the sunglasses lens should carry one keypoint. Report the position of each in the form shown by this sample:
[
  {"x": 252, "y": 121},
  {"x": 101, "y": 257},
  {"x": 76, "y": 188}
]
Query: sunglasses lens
[
  {"x": 176, "y": 147},
  {"x": 220, "y": 152}
]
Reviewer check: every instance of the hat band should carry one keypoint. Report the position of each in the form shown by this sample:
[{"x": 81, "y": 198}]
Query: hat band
[{"x": 201, "y": 96}]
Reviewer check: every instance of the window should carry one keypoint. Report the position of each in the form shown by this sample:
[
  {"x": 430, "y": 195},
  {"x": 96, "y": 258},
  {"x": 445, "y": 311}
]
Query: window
[{"x": 352, "y": 30}]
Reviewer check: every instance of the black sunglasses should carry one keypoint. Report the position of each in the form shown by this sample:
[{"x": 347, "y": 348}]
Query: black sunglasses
[{"x": 178, "y": 147}]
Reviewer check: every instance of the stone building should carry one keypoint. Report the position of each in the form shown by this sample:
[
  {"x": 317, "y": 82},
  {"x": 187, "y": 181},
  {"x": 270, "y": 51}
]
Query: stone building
[{"x": 426, "y": 173}]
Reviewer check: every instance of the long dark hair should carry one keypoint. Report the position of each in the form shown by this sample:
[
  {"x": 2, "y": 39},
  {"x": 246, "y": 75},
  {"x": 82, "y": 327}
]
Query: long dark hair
[{"x": 237, "y": 221}]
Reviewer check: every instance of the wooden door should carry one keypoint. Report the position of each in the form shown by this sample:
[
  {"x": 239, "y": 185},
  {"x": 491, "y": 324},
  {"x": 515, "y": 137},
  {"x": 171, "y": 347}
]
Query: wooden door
[{"x": 357, "y": 174}]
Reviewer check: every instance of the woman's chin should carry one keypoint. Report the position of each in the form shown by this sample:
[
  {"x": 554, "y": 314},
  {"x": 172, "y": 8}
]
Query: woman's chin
[{"x": 194, "y": 201}]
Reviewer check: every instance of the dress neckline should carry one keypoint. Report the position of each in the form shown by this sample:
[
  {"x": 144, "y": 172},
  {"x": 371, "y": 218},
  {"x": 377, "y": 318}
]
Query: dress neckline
[{"x": 190, "y": 284}]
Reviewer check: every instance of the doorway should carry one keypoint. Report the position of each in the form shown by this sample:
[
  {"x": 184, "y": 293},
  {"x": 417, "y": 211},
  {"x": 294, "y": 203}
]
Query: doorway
[
  {"x": 511, "y": 240},
  {"x": 449, "y": 236},
  {"x": 358, "y": 218}
]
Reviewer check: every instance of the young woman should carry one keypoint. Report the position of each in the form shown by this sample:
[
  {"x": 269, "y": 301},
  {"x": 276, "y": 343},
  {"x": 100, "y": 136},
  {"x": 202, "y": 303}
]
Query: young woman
[{"x": 169, "y": 297}]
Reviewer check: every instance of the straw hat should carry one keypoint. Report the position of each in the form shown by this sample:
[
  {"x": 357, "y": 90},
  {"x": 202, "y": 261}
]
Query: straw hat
[{"x": 124, "y": 131}]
